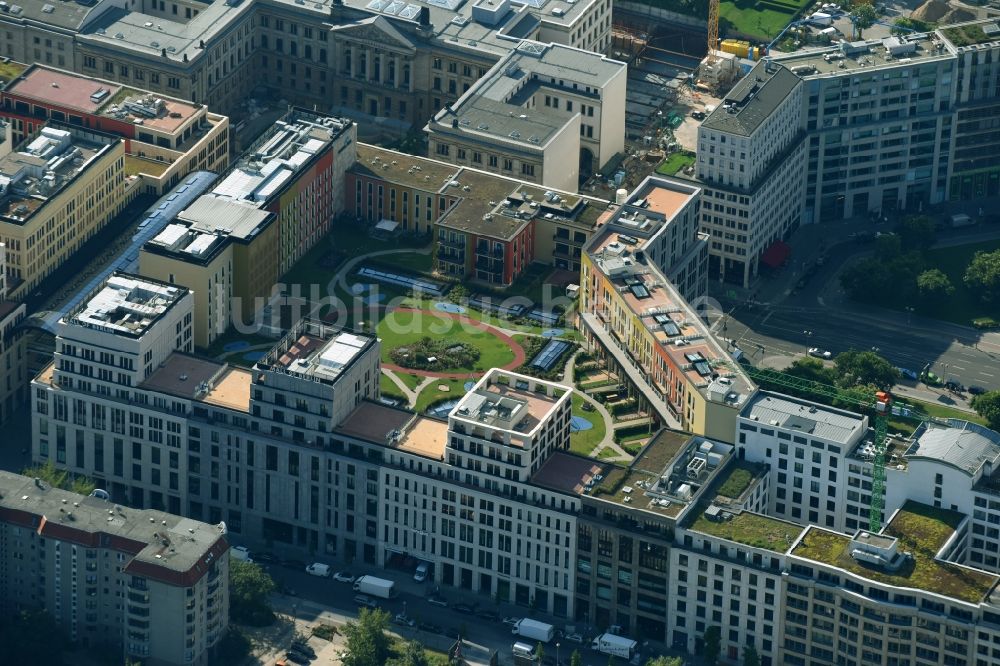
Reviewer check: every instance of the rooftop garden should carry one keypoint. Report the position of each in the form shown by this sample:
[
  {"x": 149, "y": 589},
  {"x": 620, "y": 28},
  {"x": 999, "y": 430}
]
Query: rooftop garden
[
  {"x": 966, "y": 35},
  {"x": 922, "y": 530},
  {"x": 751, "y": 529},
  {"x": 661, "y": 451},
  {"x": 735, "y": 480},
  {"x": 10, "y": 70}
]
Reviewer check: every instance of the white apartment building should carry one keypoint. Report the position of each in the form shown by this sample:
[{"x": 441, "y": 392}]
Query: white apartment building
[
  {"x": 750, "y": 164},
  {"x": 545, "y": 113},
  {"x": 879, "y": 116},
  {"x": 154, "y": 584},
  {"x": 296, "y": 456}
]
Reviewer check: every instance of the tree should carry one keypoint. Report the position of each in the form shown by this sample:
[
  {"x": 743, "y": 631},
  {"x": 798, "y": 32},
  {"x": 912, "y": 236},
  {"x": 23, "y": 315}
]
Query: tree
[
  {"x": 665, "y": 661},
  {"x": 916, "y": 232},
  {"x": 712, "y": 640},
  {"x": 367, "y": 642},
  {"x": 983, "y": 274},
  {"x": 863, "y": 16},
  {"x": 32, "y": 637},
  {"x": 987, "y": 406},
  {"x": 750, "y": 656},
  {"x": 539, "y": 652},
  {"x": 934, "y": 285},
  {"x": 250, "y": 588},
  {"x": 813, "y": 370},
  {"x": 413, "y": 655},
  {"x": 575, "y": 659},
  {"x": 861, "y": 368},
  {"x": 60, "y": 478},
  {"x": 861, "y": 279}
]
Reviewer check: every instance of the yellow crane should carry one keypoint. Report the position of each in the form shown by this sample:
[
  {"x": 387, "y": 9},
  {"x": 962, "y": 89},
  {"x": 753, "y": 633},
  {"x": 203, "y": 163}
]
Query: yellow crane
[{"x": 713, "y": 29}]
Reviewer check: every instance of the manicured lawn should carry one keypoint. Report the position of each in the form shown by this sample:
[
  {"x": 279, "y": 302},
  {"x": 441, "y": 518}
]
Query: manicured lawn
[
  {"x": 403, "y": 327},
  {"x": 675, "y": 163},
  {"x": 749, "y": 18},
  {"x": 963, "y": 306},
  {"x": 751, "y": 529},
  {"x": 411, "y": 380},
  {"x": 583, "y": 442},
  {"x": 432, "y": 392},
  {"x": 11, "y": 70},
  {"x": 389, "y": 388}
]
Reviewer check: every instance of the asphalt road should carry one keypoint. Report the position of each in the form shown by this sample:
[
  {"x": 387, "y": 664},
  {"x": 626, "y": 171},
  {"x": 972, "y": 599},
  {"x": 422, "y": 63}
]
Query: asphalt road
[
  {"x": 325, "y": 595},
  {"x": 792, "y": 319}
]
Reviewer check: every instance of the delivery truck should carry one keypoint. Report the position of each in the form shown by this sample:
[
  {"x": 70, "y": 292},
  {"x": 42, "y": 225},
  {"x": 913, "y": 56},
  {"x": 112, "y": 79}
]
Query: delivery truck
[
  {"x": 616, "y": 646},
  {"x": 533, "y": 629},
  {"x": 376, "y": 587}
]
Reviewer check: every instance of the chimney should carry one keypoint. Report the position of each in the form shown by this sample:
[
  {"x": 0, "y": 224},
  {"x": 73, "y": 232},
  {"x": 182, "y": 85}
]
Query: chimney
[
  {"x": 425, "y": 17},
  {"x": 454, "y": 123},
  {"x": 163, "y": 52},
  {"x": 185, "y": 57}
]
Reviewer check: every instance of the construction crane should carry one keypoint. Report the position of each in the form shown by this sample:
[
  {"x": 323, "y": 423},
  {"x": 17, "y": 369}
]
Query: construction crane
[
  {"x": 880, "y": 403},
  {"x": 713, "y": 30}
]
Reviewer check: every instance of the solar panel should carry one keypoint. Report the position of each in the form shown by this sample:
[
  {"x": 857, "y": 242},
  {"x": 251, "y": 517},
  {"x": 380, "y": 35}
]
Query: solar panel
[{"x": 550, "y": 353}]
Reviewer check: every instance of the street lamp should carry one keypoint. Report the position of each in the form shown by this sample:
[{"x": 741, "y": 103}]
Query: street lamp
[
  {"x": 558, "y": 663},
  {"x": 909, "y": 314}
]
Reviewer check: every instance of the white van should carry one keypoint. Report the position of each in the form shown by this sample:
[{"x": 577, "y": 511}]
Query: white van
[
  {"x": 423, "y": 569},
  {"x": 240, "y": 553},
  {"x": 525, "y": 650},
  {"x": 317, "y": 569}
]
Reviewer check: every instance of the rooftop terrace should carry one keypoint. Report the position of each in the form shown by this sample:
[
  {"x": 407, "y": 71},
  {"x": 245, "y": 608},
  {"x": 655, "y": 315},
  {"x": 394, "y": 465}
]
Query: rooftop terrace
[
  {"x": 973, "y": 33},
  {"x": 869, "y": 54},
  {"x": 315, "y": 351},
  {"x": 203, "y": 380},
  {"x": 921, "y": 530},
  {"x": 510, "y": 402},
  {"x": 397, "y": 429},
  {"x": 126, "y": 305}
]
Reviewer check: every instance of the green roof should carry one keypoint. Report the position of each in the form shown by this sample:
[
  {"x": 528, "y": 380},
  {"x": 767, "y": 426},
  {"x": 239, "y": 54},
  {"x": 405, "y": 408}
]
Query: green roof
[
  {"x": 921, "y": 530},
  {"x": 750, "y": 529},
  {"x": 735, "y": 480},
  {"x": 968, "y": 35}
]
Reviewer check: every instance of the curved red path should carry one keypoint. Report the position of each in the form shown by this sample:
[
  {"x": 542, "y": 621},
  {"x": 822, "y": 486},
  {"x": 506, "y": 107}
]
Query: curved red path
[{"x": 519, "y": 355}]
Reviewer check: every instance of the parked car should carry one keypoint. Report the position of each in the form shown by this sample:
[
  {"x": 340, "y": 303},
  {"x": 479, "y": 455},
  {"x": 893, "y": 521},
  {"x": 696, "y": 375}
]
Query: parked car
[
  {"x": 909, "y": 374},
  {"x": 954, "y": 386},
  {"x": 820, "y": 353},
  {"x": 302, "y": 646},
  {"x": 400, "y": 618},
  {"x": 297, "y": 657},
  {"x": 344, "y": 577},
  {"x": 365, "y": 600},
  {"x": 492, "y": 616},
  {"x": 464, "y": 608},
  {"x": 266, "y": 558},
  {"x": 977, "y": 390},
  {"x": 511, "y": 620},
  {"x": 293, "y": 564},
  {"x": 574, "y": 638},
  {"x": 698, "y": 115},
  {"x": 423, "y": 570},
  {"x": 430, "y": 627},
  {"x": 437, "y": 600}
]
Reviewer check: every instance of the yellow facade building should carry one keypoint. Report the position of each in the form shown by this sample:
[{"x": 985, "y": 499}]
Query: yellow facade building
[{"x": 57, "y": 190}]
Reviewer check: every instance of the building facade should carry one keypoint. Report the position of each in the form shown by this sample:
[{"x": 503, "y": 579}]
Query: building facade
[
  {"x": 546, "y": 114},
  {"x": 165, "y": 138},
  {"x": 13, "y": 352},
  {"x": 634, "y": 316},
  {"x": 59, "y": 189},
  {"x": 155, "y": 585}
]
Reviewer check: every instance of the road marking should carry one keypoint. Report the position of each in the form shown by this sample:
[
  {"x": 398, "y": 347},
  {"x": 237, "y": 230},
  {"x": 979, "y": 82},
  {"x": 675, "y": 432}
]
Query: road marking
[{"x": 956, "y": 367}]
